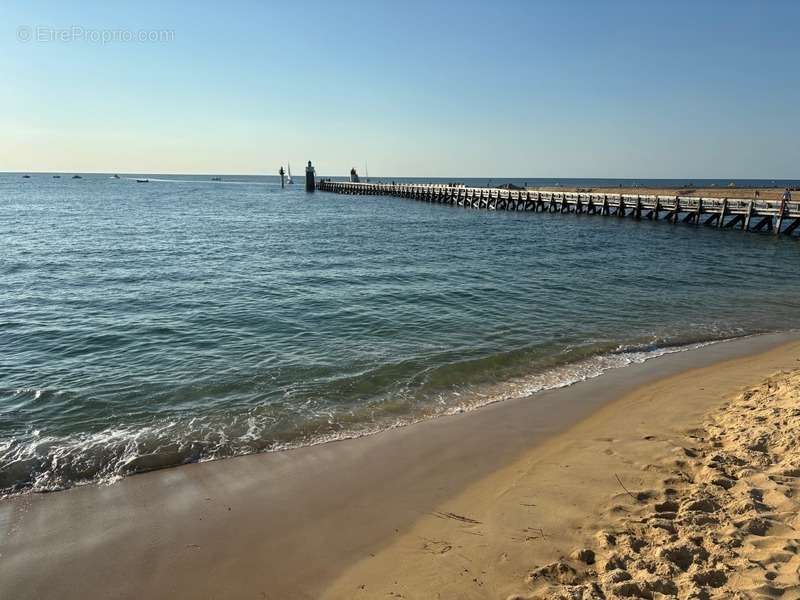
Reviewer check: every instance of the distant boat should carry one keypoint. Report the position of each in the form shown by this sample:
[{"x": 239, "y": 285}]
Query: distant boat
[
  {"x": 216, "y": 179},
  {"x": 56, "y": 176},
  {"x": 26, "y": 176},
  {"x": 142, "y": 181},
  {"x": 289, "y": 179},
  {"x": 115, "y": 176},
  {"x": 77, "y": 177}
]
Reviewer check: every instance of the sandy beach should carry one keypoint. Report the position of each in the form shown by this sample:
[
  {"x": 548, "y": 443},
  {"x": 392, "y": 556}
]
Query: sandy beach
[{"x": 671, "y": 478}]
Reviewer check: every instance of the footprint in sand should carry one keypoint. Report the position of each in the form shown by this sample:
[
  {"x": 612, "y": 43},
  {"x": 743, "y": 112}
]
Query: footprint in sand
[{"x": 724, "y": 524}]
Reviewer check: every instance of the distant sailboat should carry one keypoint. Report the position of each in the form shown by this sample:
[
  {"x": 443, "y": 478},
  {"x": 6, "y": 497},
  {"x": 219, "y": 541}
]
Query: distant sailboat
[{"x": 289, "y": 179}]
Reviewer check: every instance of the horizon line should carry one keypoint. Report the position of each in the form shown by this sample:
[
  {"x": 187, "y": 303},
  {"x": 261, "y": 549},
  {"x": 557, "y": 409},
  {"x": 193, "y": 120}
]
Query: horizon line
[{"x": 230, "y": 174}]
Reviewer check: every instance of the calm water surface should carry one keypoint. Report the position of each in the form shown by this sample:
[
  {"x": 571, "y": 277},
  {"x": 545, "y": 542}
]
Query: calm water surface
[{"x": 147, "y": 325}]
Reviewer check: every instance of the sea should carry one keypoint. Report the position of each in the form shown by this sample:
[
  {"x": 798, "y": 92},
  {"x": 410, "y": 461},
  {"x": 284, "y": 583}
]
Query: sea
[{"x": 149, "y": 325}]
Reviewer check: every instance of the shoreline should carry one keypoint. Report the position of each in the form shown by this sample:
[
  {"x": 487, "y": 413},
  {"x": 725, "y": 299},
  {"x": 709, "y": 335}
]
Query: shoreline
[
  {"x": 290, "y": 523},
  {"x": 525, "y": 385}
]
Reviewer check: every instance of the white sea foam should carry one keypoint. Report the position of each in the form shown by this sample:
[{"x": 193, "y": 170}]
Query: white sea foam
[{"x": 568, "y": 374}]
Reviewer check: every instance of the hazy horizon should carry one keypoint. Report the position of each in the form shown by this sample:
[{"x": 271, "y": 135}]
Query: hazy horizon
[{"x": 298, "y": 175}]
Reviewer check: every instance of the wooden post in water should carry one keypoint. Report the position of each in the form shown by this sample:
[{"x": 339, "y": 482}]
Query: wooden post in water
[
  {"x": 676, "y": 215},
  {"x": 790, "y": 229},
  {"x": 779, "y": 221},
  {"x": 746, "y": 223},
  {"x": 722, "y": 212},
  {"x": 282, "y": 173}
]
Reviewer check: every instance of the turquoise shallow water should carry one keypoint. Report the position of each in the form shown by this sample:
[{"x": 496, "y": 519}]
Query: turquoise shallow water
[{"x": 148, "y": 325}]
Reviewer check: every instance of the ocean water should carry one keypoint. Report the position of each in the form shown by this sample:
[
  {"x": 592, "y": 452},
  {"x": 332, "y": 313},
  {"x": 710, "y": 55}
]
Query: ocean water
[{"x": 145, "y": 325}]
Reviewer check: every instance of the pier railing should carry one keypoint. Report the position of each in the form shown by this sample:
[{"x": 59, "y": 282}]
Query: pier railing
[{"x": 776, "y": 216}]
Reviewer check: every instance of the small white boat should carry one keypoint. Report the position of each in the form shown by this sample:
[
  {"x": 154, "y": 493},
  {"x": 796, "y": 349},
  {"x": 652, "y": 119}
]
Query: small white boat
[{"x": 289, "y": 179}]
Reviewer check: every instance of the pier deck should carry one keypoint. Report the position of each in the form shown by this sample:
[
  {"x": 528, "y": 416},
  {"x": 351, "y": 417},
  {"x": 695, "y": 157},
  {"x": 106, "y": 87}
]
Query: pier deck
[{"x": 775, "y": 216}]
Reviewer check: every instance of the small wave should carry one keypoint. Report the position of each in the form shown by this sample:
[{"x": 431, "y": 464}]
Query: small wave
[
  {"x": 572, "y": 373},
  {"x": 37, "y": 393}
]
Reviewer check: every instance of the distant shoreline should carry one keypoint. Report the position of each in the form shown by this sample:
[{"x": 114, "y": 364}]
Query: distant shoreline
[{"x": 561, "y": 183}]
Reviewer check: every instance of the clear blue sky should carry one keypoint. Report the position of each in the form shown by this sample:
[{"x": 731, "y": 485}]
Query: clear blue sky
[{"x": 530, "y": 89}]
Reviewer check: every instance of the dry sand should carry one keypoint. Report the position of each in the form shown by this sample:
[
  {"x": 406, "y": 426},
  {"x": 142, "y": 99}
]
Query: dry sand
[
  {"x": 685, "y": 488},
  {"x": 487, "y": 504}
]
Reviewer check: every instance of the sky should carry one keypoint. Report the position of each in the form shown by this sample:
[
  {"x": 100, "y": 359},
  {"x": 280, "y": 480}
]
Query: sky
[{"x": 567, "y": 88}]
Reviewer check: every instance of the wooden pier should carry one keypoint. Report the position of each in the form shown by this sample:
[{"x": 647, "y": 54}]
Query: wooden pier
[{"x": 775, "y": 216}]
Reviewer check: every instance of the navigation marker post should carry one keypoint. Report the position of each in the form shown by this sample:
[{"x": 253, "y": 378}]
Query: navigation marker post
[{"x": 310, "y": 183}]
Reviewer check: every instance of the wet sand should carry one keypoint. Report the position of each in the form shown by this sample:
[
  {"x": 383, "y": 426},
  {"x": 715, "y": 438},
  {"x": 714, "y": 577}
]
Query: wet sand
[{"x": 350, "y": 518}]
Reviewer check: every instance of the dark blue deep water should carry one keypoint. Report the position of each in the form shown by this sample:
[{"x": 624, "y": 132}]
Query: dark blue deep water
[{"x": 144, "y": 325}]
